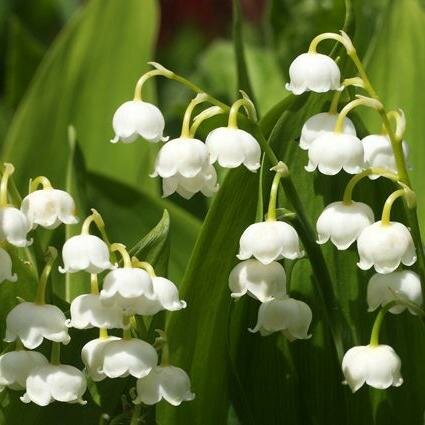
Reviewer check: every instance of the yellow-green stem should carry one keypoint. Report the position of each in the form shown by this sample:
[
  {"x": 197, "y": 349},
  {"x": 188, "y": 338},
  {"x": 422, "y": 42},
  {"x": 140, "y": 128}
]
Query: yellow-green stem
[
  {"x": 126, "y": 332},
  {"x": 333, "y": 108},
  {"x": 377, "y": 324},
  {"x": 94, "y": 284},
  {"x": 8, "y": 170},
  {"x": 40, "y": 180},
  {"x": 143, "y": 265},
  {"x": 386, "y": 212},
  {"x": 281, "y": 169},
  {"x": 40, "y": 297},
  {"x": 55, "y": 353},
  {"x": 200, "y": 98},
  {"x": 97, "y": 219},
  {"x": 330, "y": 36},
  {"x": 119, "y": 247},
  {"x": 103, "y": 333},
  {"x": 234, "y": 110}
]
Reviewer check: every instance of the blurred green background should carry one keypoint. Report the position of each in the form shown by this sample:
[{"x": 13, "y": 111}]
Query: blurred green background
[{"x": 74, "y": 62}]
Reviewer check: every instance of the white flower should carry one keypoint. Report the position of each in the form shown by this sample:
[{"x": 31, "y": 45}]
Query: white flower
[
  {"x": 164, "y": 382},
  {"x": 385, "y": 246},
  {"x": 342, "y": 223},
  {"x": 92, "y": 355},
  {"x": 32, "y": 322},
  {"x": 331, "y": 152},
  {"x": 87, "y": 311},
  {"x": 290, "y": 316},
  {"x": 85, "y": 252},
  {"x": 204, "y": 182},
  {"x": 15, "y": 366},
  {"x": 402, "y": 285},
  {"x": 315, "y": 72},
  {"x": 378, "y": 366},
  {"x": 128, "y": 357},
  {"x": 269, "y": 241},
  {"x": 231, "y": 147},
  {"x": 6, "y": 267},
  {"x": 49, "y": 208},
  {"x": 136, "y": 118},
  {"x": 322, "y": 123},
  {"x": 14, "y": 227},
  {"x": 379, "y": 153},
  {"x": 55, "y": 383},
  {"x": 260, "y": 281}
]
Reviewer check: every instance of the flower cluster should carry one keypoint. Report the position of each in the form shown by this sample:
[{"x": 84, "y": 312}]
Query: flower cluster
[
  {"x": 128, "y": 290},
  {"x": 332, "y": 144}
]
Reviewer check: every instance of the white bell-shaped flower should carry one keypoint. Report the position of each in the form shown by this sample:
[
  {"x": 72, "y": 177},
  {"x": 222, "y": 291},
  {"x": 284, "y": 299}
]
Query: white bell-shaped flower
[
  {"x": 137, "y": 118},
  {"x": 204, "y": 182},
  {"x": 287, "y": 315},
  {"x": 378, "y": 366},
  {"x": 15, "y": 366},
  {"x": 313, "y": 72},
  {"x": 342, "y": 223},
  {"x": 320, "y": 124},
  {"x": 6, "y": 267},
  {"x": 49, "y": 208},
  {"x": 268, "y": 241},
  {"x": 261, "y": 281},
  {"x": 14, "y": 227},
  {"x": 55, "y": 383},
  {"x": 164, "y": 382},
  {"x": 126, "y": 357},
  {"x": 332, "y": 152},
  {"x": 93, "y": 354},
  {"x": 385, "y": 246},
  {"x": 87, "y": 311},
  {"x": 231, "y": 147},
  {"x": 85, "y": 253},
  {"x": 379, "y": 153},
  {"x": 32, "y": 322},
  {"x": 403, "y": 285}
]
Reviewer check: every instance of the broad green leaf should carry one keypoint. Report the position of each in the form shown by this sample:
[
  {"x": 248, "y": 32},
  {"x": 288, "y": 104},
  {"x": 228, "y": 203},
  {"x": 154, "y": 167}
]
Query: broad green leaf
[{"x": 89, "y": 71}]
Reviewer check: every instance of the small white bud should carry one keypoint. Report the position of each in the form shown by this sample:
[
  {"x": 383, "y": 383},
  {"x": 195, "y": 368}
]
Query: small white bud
[{"x": 6, "y": 267}]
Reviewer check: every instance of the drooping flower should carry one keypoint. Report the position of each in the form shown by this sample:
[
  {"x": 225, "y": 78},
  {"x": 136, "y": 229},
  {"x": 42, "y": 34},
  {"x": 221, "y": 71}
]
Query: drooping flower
[
  {"x": 137, "y": 118},
  {"x": 14, "y": 227},
  {"x": 32, "y": 322},
  {"x": 51, "y": 383},
  {"x": 87, "y": 311},
  {"x": 320, "y": 124},
  {"x": 164, "y": 382},
  {"x": 342, "y": 223},
  {"x": 402, "y": 285},
  {"x": 377, "y": 366},
  {"x": 126, "y": 357},
  {"x": 287, "y": 315},
  {"x": 313, "y": 72},
  {"x": 183, "y": 163},
  {"x": 269, "y": 241},
  {"x": 385, "y": 246},
  {"x": 15, "y": 366},
  {"x": 85, "y": 253},
  {"x": 93, "y": 354},
  {"x": 6, "y": 267},
  {"x": 379, "y": 153},
  {"x": 260, "y": 281},
  {"x": 332, "y": 152},
  {"x": 49, "y": 208},
  {"x": 231, "y": 147}
]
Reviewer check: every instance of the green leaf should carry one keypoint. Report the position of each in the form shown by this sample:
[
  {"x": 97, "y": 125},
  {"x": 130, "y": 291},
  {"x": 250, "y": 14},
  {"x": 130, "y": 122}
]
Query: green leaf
[{"x": 88, "y": 72}]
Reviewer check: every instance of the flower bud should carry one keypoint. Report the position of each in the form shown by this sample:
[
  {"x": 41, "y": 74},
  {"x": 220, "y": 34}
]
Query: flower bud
[
  {"x": 32, "y": 322},
  {"x": 332, "y": 152},
  {"x": 320, "y": 124},
  {"x": 49, "y": 208},
  {"x": 403, "y": 285},
  {"x": 164, "y": 382},
  {"x": 85, "y": 253},
  {"x": 378, "y": 366},
  {"x": 6, "y": 267},
  {"x": 137, "y": 118},
  {"x": 260, "y": 281},
  {"x": 55, "y": 383},
  {"x": 15, "y": 366},
  {"x": 14, "y": 227},
  {"x": 269, "y": 241},
  {"x": 315, "y": 72},
  {"x": 231, "y": 147},
  {"x": 385, "y": 246},
  {"x": 126, "y": 357},
  {"x": 342, "y": 223},
  {"x": 284, "y": 314}
]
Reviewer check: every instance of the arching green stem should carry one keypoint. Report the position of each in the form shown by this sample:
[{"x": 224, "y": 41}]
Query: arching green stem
[
  {"x": 8, "y": 170},
  {"x": 234, "y": 110},
  {"x": 40, "y": 297},
  {"x": 281, "y": 169},
  {"x": 386, "y": 212},
  {"x": 341, "y": 38},
  {"x": 143, "y": 265},
  {"x": 40, "y": 180},
  {"x": 97, "y": 219},
  {"x": 200, "y": 98},
  {"x": 374, "y": 336},
  {"x": 119, "y": 247},
  {"x": 204, "y": 115}
]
